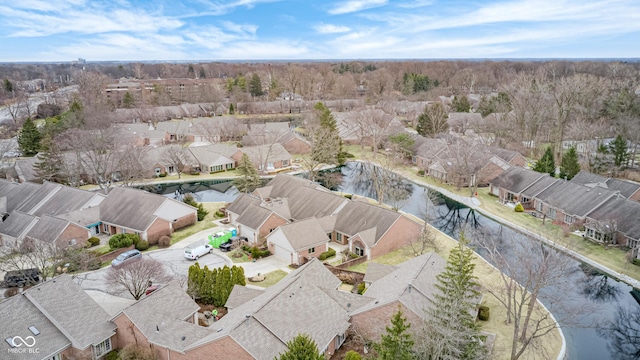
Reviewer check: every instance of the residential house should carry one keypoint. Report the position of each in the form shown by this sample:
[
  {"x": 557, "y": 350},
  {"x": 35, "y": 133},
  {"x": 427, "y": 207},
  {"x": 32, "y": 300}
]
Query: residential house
[
  {"x": 177, "y": 130},
  {"x": 409, "y": 286},
  {"x": 143, "y": 134},
  {"x": 294, "y": 143},
  {"x": 149, "y": 215},
  {"x": 616, "y": 222},
  {"x": 167, "y": 159},
  {"x": 58, "y": 329},
  {"x": 627, "y": 189},
  {"x": 299, "y": 241},
  {"x": 369, "y": 230},
  {"x": 268, "y": 158},
  {"x": 508, "y": 186},
  {"x": 460, "y": 122},
  {"x": 215, "y": 157}
]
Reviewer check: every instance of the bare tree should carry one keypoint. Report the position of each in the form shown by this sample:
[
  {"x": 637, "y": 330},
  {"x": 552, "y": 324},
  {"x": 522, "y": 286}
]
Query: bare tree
[
  {"x": 28, "y": 253},
  {"x": 527, "y": 269},
  {"x": 135, "y": 276},
  {"x": 176, "y": 157},
  {"x": 624, "y": 333},
  {"x": 371, "y": 124}
]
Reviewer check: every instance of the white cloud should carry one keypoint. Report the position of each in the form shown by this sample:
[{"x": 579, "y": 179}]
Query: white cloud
[
  {"x": 350, "y": 6},
  {"x": 331, "y": 29},
  {"x": 415, "y": 4},
  {"x": 223, "y": 7}
]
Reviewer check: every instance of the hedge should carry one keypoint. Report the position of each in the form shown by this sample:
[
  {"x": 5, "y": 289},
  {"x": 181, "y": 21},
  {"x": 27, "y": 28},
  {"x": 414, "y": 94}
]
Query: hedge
[
  {"x": 93, "y": 241},
  {"x": 483, "y": 313},
  {"x": 123, "y": 240},
  {"x": 519, "y": 208},
  {"x": 142, "y": 245},
  {"x": 327, "y": 254}
]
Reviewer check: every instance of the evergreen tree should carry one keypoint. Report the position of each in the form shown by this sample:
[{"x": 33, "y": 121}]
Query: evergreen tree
[
  {"x": 231, "y": 110},
  {"x": 8, "y": 86},
  {"x": 569, "y": 166},
  {"x": 546, "y": 164},
  {"x": 50, "y": 164},
  {"x": 461, "y": 104},
  {"x": 127, "y": 100},
  {"x": 396, "y": 343},
  {"x": 433, "y": 120},
  {"x": 328, "y": 122},
  {"x": 248, "y": 179},
  {"x": 29, "y": 138},
  {"x": 189, "y": 200},
  {"x": 237, "y": 276},
  {"x": 255, "y": 86},
  {"x": 450, "y": 330},
  {"x": 302, "y": 347},
  {"x": 618, "y": 148}
]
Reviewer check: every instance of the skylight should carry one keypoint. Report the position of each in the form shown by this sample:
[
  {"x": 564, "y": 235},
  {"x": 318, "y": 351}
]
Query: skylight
[
  {"x": 34, "y": 330},
  {"x": 10, "y": 342}
]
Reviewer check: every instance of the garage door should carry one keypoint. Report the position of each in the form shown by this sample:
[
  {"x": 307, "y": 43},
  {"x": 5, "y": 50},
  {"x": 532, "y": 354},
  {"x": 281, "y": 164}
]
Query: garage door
[{"x": 282, "y": 253}]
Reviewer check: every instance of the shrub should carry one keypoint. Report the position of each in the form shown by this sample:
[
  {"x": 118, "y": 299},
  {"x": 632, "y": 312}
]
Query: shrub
[
  {"x": 123, "y": 240},
  {"x": 163, "y": 175},
  {"x": 189, "y": 200},
  {"x": 93, "y": 241},
  {"x": 11, "y": 292},
  {"x": 353, "y": 255},
  {"x": 519, "y": 208},
  {"x": 421, "y": 172},
  {"x": 142, "y": 245},
  {"x": 112, "y": 355},
  {"x": 350, "y": 355},
  {"x": 327, "y": 254},
  {"x": 194, "y": 173},
  {"x": 220, "y": 214},
  {"x": 164, "y": 241},
  {"x": 258, "y": 253},
  {"x": 349, "y": 155},
  {"x": 349, "y": 196},
  {"x": 361, "y": 288},
  {"x": 636, "y": 262},
  {"x": 483, "y": 313}
]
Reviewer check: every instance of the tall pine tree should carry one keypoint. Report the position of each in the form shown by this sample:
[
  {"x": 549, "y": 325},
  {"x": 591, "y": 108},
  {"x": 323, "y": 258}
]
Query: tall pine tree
[
  {"x": 302, "y": 347},
  {"x": 50, "y": 165},
  {"x": 618, "y": 148},
  {"x": 248, "y": 178},
  {"x": 29, "y": 138},
  {"x": 396, "y": 343},
  {"x": 450, "y": 330},
  {"x": 546, "y": 164},
  {"x": 255, "y": 86},
  {"x": 328, "y": 122},
  {"x": 569, "y": 166}
]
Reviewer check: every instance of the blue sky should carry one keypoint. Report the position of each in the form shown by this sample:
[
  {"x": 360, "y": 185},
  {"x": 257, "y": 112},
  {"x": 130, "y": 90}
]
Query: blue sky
[{"x": 63, "y": 30}]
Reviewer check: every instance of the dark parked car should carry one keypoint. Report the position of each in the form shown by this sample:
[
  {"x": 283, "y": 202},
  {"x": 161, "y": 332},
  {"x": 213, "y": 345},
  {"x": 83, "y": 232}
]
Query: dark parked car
[
  {"x": 126, "y": 256},
  {"x": 20, "y": 278},
  {"x": 227, "y": 245}
]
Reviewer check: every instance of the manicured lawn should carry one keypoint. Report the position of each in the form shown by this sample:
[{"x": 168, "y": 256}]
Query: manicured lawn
[
  {"x": 241, "y": 259},
  {"x": 270, "y": 278},
  {"x": 206, "y": 223}
]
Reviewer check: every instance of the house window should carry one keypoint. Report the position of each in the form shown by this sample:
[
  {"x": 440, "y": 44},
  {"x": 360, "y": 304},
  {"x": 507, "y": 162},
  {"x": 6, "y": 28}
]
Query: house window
[
  {"x": 72, "y": 242},
  {"x": 539, "y": 206},
  {"x": 569, "y": 219},
  {"x": 158, "y": 171},
  {"x": 340, "y": 340},
  {"x": 102, "y": 348},
  {"x": 414, "y": 159},
  {"x": 551, "y": 213},
  {"x": 171, "y": 169},
  {"x": 285, "y": 162},
  {"x": 312, "y": 250},
  {"x": 338, "y": 237},
  {"x": 270, "y": 166},
  {"x": 359, "y": 251}
]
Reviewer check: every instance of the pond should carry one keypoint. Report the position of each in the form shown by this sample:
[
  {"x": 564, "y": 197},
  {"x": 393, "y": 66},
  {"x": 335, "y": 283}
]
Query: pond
[{"x": 603, "y": 298}]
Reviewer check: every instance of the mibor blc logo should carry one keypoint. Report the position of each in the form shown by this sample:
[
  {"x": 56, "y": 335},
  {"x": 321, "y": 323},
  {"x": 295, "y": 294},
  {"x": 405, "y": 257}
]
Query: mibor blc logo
[{"x": 23, "y": 345}]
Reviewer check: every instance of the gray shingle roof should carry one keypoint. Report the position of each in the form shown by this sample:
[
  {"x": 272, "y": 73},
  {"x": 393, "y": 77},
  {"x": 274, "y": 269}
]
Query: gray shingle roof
[
  {"x": 241, "y": 203},
  {"x": 266, "y": 153},
  {"x": 66, "y": 199},
  {"x": 376, "y": 271},
  {"x": 517, "y": 180},
  {"x": 413, "y": 284},
  {"x": 576, "y": 199},
  {"x": 16, "y": 193},
  {"x": 539, "y": 186},
  {"x": 16, "y": 224},
  {"x": 17, "y": 314},
  {"x": 357, "y": 216},
  {"x": 48, "y": 228},
  {"x": 240, "y": 295},
  {"x": 626, "y": 188},
  {"x": 214, "y": 154},
  {"x": 84, "y": 217},
  {"x": 130, "y": 208},
  {"x": 37, "y": 196},
  {"x": 254, "y": 216},
  {"x": 304, "y": 234},
  {"x": 52, "y": 298},
  {"x": 623, "y": 212}
]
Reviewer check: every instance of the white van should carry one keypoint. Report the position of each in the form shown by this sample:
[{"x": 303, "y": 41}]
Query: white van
[{"x": 195, "y": 253}]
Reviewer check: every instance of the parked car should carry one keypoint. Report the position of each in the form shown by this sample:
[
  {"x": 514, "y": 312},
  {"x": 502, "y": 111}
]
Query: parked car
[
  {"x": 195, "y": 253},
  {"x": 20, "y": 278},
  {"x": 226, "y": 246},
  {"x": 126, "y": 256}
]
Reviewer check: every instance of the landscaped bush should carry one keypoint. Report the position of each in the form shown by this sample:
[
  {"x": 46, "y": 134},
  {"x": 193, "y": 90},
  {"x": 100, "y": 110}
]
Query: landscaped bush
[
  {"x": 112, "y": 355},
  {"x": 78, "y": 260},
  {"x": 194, "y": 173},
  {"x": 93, "y": 241},
  {"x": 123, "y": 240},
  {"x": 257, "y": 253},
  {"x": 636, "y": 262},
  {"x": 162, "y": 175},
  {"x": 135, "y": 352},
  {"x": 421, "y": 172},
  {"x": 483, "y": 313},
  {"x": 327, "y": 254},
  {"x": 361, "y": 288},
  {"x": 353, "y": 255},
  {"x": 348, "y": 196},
  {"x": 349, "y": 155},
  {"x": 352, "y": 355},
  {"x": 164, "y": 241},
  {"x": 142, "y": 245},
  {"x": 519, "y": 208},
  {"x": 220, "y": 214}
]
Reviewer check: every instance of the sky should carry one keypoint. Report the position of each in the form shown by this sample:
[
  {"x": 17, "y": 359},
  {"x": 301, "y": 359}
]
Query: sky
[{"x": 189, "y": 30}]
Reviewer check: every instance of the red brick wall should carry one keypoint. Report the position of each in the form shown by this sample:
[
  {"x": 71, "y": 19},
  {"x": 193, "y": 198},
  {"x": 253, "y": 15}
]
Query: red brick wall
[
  {"x": 297, "y": 146},
  {"x": 73, "y": 231},
  {"x": 158, "y": 229},
  {"x": 401, "y": 233},
  {"x": 75, "y": 354},
  {"x": 518, "y": 161},
  {"x": 272, "y": 222},
  {"x": 186, "y": 220},
  {"x": 318, "y": 250},
  {"x": 372, "y": 323},
  {"x": 635, "y": 196}
]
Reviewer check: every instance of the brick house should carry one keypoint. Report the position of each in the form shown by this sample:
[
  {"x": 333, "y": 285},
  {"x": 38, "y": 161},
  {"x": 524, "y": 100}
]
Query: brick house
[
  {"x": 150, "y": 216},
  {"x": 299, "y": 241},
  {"x": 215, "y": 157},
  {"x": 60, "y": 330},
  {"x": 268, "y": 158}
]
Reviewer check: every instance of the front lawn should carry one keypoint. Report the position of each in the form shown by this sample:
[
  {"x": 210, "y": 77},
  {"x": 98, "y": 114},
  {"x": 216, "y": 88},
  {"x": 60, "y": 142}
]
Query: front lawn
[
  {"x": 270, "y": 278},
  {"x": 206, "y": 223}
]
